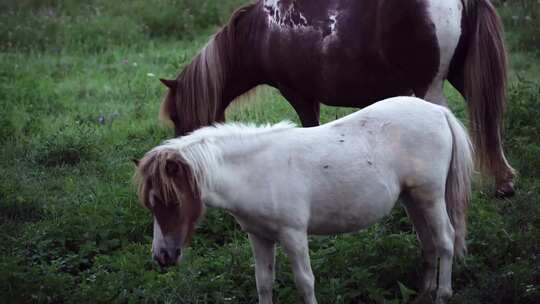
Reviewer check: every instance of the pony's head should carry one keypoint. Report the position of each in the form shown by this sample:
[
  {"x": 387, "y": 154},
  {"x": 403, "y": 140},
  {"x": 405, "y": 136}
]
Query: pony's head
[{"x": 168, "y": 188}]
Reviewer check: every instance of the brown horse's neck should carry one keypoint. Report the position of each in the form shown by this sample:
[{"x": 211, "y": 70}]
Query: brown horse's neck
[{"x": 243, "y": 71}]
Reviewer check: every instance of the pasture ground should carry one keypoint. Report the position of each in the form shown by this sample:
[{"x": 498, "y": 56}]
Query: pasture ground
[{"x": 79, "y": 98}]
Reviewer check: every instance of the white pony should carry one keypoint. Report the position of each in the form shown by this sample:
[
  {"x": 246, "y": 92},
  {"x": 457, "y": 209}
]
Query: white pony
[{"x": 283, "y": 183}]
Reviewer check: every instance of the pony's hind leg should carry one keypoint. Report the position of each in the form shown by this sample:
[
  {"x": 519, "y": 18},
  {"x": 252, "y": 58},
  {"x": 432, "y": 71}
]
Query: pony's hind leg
[
  {"x": 295, "y": 244},
  {"x": 264, "y": 253},
  {"x": 429, "y": 254},
  {"x": 441, "y": 231}
]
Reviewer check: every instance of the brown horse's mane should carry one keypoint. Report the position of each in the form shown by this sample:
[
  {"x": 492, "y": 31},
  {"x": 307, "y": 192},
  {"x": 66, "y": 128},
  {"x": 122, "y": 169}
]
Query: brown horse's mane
[{"x": 199, "y": 86}]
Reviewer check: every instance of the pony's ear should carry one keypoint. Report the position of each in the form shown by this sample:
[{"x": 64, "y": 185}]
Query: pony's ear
[
  {"x": 171, "y": 84},
  {"x": 172, "y": 167},
  {"x": 136, "y": 162}
]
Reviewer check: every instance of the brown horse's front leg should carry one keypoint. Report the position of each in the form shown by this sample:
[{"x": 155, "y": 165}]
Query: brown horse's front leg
[{"x": 308, "y": 110}]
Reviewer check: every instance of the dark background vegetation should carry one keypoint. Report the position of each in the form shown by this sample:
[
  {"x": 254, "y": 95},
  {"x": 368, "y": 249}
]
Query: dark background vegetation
[{"x": 79, "y": 97}]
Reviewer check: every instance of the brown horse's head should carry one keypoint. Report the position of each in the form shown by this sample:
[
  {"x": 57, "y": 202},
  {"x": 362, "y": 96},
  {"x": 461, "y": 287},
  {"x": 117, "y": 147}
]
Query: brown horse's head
[
  {"x": 167, "y": 187},
  {"x": 189, "y": 104},
  {"x": 207, "y": 85},
  {"x": 194, "y": 99}
]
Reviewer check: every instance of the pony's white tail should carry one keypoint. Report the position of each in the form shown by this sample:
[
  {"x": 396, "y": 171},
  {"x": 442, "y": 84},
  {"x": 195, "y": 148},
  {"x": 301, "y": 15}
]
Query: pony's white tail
[{"x": 458, "y": 181}]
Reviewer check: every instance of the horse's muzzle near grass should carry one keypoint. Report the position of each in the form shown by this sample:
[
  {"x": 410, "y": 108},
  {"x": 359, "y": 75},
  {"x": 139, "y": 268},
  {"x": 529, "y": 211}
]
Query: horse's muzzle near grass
[{"x": 283, "y": 183}]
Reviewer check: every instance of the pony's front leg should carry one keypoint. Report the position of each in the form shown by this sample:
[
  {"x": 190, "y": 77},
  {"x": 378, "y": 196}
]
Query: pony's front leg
[
  {"x": 263, "y": 251},
  {"x": 295, "y": 244}
]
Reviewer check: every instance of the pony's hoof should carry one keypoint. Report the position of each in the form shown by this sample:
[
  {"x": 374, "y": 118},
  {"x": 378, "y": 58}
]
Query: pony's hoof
[
  {"x": 423, "y": 298},
  {"x": 505, "y": 190}
]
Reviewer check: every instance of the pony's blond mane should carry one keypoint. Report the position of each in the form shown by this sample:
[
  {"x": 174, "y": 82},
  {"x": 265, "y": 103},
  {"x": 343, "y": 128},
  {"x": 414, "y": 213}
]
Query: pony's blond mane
[
  {"x": 152, "y": 174},
  {"x": 201, "y": 151}
]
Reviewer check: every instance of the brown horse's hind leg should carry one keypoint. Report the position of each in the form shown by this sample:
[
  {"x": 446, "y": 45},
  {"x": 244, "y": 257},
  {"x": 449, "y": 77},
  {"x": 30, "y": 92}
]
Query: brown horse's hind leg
[
  {"x": 437, "y": 98},
  {"x": 308, "y": 110},
  {"x": 433, "y": 93},
  {"x": 504, "y": 175}
]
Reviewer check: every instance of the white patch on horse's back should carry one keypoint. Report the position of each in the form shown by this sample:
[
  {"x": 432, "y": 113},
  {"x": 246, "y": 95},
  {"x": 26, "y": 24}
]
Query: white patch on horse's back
[
  {"x": 304, "y": 20},
  {"x": 271, "y": 4},
  {"x": 290, "y": 18},
  {"x": 446, "y": 17},
  {"x": 283, "y": 18},
  {"x": 333, "y": 36},
  {"x": 333, "y": 21}
]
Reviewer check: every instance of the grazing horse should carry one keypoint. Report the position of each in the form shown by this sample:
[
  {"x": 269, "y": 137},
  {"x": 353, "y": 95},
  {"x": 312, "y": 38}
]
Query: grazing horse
[
  {"x": 282, "y": 183},
  {"x": 353, "y": 53}
]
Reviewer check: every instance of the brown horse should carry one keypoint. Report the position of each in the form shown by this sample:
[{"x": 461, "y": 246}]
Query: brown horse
[{"x": 352, "y": 53}]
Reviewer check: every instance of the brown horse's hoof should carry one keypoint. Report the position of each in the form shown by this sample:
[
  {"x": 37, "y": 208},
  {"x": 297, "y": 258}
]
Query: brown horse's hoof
[{"x": 505, "y": 190}]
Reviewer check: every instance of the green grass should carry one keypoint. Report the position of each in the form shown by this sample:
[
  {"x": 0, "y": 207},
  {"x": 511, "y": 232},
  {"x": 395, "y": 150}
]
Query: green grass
[{"x": 79, "y": 96}]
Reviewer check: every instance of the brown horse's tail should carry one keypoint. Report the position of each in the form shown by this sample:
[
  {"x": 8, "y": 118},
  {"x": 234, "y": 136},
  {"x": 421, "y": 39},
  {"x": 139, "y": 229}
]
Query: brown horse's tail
[
  {"x": 484, "y": 82},
  {"x": 458, "y": 181}
]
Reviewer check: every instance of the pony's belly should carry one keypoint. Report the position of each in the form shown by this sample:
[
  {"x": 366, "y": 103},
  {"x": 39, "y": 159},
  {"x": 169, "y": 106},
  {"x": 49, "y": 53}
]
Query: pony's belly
[
  {"x": 265, "y": 229},
  {"x": 343, "y": 215},
  {"x": 341, "y": 223}
]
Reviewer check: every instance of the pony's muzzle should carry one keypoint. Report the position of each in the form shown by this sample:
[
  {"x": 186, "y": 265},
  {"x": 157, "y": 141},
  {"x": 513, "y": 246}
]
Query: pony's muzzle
[{"x": 168, "y": 257}]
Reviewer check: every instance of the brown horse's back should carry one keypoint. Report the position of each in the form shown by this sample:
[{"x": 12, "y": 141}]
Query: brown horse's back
[
  {"x": 353, "y": 53},
  {"x": 348, "y": 53}
]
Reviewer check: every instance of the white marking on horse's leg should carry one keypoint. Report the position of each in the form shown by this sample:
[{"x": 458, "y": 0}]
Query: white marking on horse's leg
[
  {"x": 429, "y": 254},
  {"x": 263, "y": 251},
  {"x": 446, "y": 16},
  {"x": 443, "y": 236},
  {"x": 295, "y": 244}
]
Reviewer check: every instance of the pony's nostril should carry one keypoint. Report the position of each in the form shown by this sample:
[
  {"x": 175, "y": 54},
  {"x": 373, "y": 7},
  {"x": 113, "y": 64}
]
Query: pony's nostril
[
  {"x": 167, "y": 258},
  {"x": 159, "y": 259},
  {"x": 165, "y": 255}
]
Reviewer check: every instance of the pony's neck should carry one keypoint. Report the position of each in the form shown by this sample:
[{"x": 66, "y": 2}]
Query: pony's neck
[
  {"x": 234, "y": 155},
  {"x": 228, "y": 153}
]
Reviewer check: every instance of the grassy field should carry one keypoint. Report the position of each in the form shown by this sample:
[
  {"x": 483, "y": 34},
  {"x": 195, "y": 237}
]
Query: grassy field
[{"x": 79, "y": 97}]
